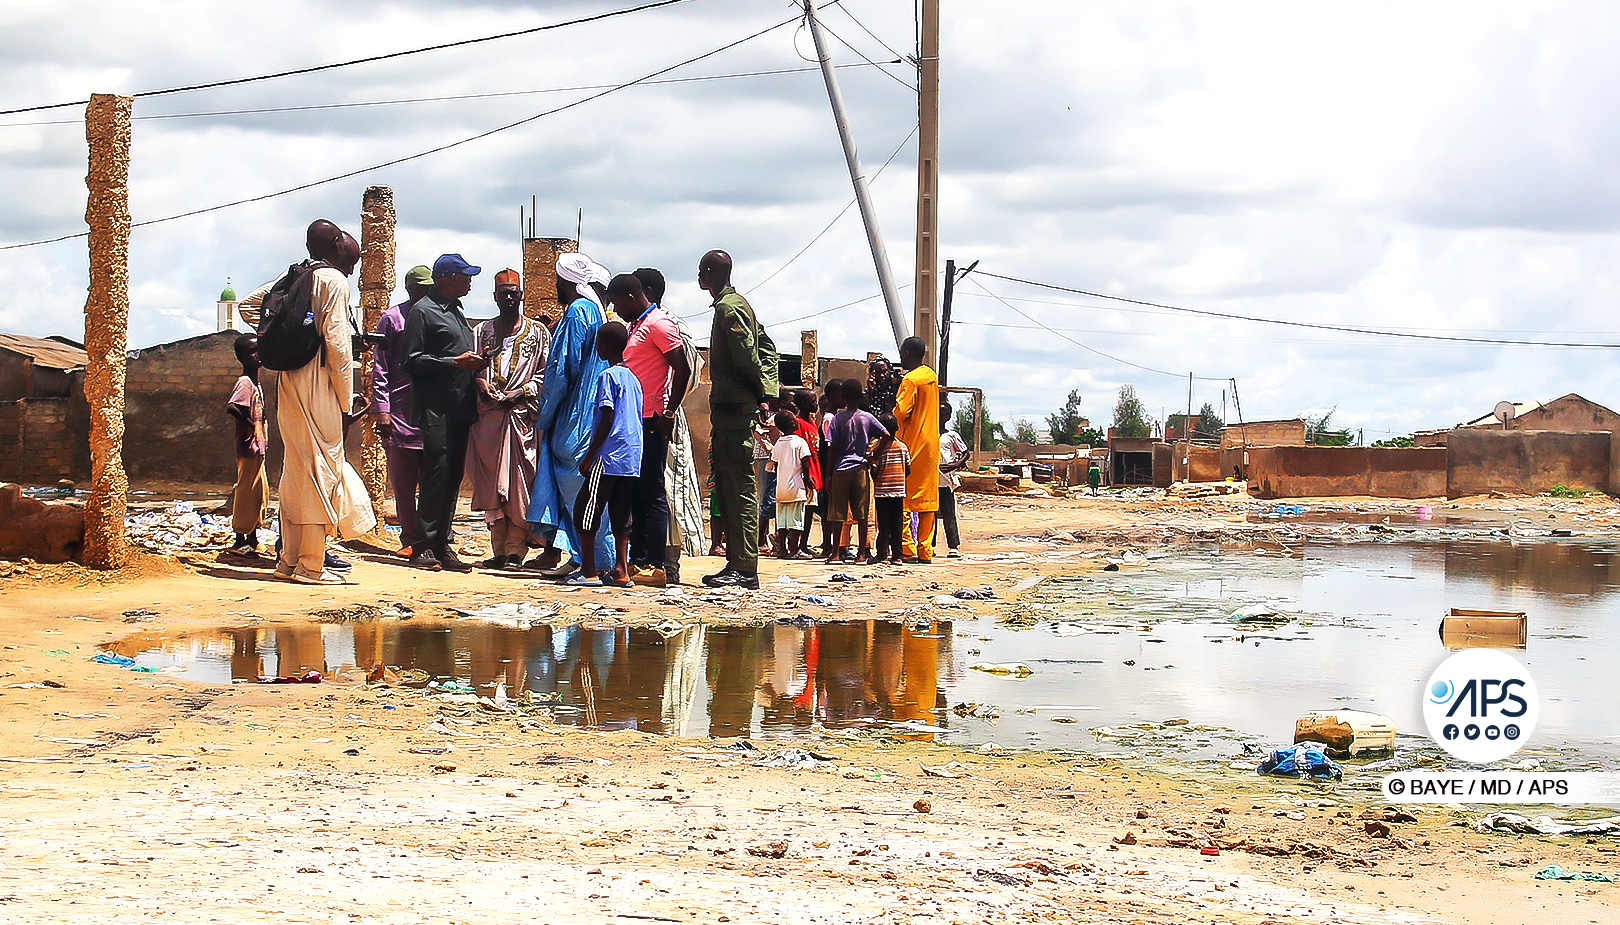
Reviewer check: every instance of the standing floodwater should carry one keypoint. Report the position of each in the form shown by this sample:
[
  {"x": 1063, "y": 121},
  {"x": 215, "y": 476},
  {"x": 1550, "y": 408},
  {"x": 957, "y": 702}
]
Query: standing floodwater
[{"x": 1359, "y": 629}]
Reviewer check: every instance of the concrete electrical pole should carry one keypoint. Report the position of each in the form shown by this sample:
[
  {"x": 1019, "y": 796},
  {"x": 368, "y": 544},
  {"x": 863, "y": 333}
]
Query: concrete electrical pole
[
  {"x": 857, "y": 176},
  {"x": 927, "y": 281}
]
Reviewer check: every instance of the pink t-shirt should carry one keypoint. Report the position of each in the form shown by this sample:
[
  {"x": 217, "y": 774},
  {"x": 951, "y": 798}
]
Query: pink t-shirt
[{"x": 653, "y": 336}]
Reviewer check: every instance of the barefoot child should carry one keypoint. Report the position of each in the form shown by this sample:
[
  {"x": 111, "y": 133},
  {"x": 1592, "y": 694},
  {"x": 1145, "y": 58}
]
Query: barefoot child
[
  {"x": 790, "y": 460},
  {"x": 611, "y": 464}
]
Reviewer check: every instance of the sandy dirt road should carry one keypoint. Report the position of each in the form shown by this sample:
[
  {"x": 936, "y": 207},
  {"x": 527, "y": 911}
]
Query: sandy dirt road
[{"x": 139, "y": 797}]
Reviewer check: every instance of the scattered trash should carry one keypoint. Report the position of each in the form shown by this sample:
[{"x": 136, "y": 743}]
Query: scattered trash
[
  {"x": 1375, "y": 828},
  {"x": 113, "y": 658},
  {"x": 794, "y": 758},
  {"x": 519, "y": 614},
  {"x": 774, "y": 850},
  {"x": 1347, "y": 732},
  {"x": 1515, "y": 824},
  {"x": 951, "y": 771},
  {"x": 786, "y": 580},
  {"x": 58, "y": 653},
  {"x": 1300, "y": 761},
  {"x": 308, "y": 677},
  {"x": 1259, "y": 613},
  {"x": 817, "y": 599},
  {"x": 178, "y": 526},
  {"x": 841, "y": 576},
  {"x": 1111, "y": 567},
  {"x": 139, "y": 616},
  {"x": 976, "y": 710},
  {"x": 974, "y": 594},
  {"x": 1210, "y": 850},
  {"x": 923, "y": 806},
  {"x": 1129, "y": 838},
  {"x": 1554, "y": 872},
  {"x": 946, "y": 600},
  {"x": 1484, "y": 629},
  {"x": 1012, "y": 669}
]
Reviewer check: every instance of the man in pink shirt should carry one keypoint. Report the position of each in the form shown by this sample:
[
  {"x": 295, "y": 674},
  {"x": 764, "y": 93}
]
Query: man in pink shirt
[{"x": 657, "y": 358}]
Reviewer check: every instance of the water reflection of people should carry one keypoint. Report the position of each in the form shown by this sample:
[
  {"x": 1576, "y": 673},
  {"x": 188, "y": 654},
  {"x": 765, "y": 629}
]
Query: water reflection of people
[{"x": 733, "y": 675}]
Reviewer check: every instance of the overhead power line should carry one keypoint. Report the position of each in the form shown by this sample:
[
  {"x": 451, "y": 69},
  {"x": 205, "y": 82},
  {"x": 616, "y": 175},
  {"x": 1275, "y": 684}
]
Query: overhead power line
[
  {"x": 420, "y": 154},
  {"x": 1055, "y": 331},
  {"x": 445, "y": 99},
  {"x": 1348, "y": 329},
  {"x": 829, "y": 226},
  {"x": 368, "y": 60}
]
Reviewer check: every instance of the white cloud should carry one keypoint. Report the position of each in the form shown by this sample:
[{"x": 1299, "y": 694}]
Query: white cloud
[{"x": 1436, "y": 166}]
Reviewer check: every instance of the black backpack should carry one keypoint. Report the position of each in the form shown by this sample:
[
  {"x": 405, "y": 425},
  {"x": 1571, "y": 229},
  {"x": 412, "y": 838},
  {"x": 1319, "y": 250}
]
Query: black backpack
[{"x": 288, "y": 336}]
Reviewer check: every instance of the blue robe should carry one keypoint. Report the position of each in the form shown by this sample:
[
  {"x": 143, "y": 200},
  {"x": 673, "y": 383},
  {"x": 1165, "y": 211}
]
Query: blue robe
[{"x": 567, "y": 415}]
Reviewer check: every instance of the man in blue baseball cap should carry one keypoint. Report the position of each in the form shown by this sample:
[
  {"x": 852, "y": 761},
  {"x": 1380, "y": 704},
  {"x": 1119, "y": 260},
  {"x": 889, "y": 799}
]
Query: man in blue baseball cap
[{"x": 439, "y": 356}]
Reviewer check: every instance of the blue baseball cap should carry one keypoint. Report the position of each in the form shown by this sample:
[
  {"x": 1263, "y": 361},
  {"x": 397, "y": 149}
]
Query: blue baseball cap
[{"x": 452, "y": 263}]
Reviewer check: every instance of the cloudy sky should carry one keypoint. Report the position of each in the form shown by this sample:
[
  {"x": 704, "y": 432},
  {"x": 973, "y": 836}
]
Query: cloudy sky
[{"x": 1442, "y": 168}]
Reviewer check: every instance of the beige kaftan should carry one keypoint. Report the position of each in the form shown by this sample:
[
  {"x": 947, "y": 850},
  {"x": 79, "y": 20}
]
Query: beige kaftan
[{"x": 318, "y": 486}]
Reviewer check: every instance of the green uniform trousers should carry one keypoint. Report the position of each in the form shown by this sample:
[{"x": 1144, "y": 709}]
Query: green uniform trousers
[{"x": 734, "y": 487}]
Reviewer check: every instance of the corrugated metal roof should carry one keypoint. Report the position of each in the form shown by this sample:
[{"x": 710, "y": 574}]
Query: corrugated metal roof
[{"x": 50, "y": 353}]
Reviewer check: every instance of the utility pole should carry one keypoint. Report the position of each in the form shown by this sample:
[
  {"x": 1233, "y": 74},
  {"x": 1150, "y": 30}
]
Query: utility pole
[
  {"x": 944, "y": 312},
  {"x": 926, "y": 282},
  {"x": 863, "y": 196},
  {"x": 951, "y": 276}
]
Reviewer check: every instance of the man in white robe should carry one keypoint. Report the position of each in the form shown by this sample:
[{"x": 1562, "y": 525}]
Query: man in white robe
[{"x": 319, "y": 492}]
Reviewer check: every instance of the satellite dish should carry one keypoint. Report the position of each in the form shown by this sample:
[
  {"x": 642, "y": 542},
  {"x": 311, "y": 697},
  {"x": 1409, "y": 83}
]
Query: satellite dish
[{"x": 1505, "y": 411}]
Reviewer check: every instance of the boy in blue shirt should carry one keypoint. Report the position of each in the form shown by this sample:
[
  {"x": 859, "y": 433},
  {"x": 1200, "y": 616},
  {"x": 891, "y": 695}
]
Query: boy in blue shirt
[{"x": 612, "y": 462}]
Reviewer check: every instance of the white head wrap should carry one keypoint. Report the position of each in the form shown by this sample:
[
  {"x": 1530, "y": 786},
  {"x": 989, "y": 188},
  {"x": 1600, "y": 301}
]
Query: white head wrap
[
  {"x": 599, "y": 274},
  {"x": 581, "y": 271}
]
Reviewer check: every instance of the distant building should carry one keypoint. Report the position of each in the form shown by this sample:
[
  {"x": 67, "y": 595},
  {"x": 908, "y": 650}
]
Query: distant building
[
  {"x": 43, "y": 414},
  {"x": 1571, "y": 413}
]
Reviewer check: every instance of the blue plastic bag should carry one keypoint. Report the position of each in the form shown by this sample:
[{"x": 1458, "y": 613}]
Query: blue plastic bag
[{"x": 1300, "y": 761}]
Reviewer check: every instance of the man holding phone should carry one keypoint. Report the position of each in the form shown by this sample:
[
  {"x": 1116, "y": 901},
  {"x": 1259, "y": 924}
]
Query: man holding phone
[{"x": 439, "y": 355}]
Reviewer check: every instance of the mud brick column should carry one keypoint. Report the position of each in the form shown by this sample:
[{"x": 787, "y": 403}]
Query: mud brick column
[
  {"x": 809, "y": 361},
  {"x": 106, "y": 326},
  {"x": 376, "y": 289},
  {"x": 540, "y": 276}
]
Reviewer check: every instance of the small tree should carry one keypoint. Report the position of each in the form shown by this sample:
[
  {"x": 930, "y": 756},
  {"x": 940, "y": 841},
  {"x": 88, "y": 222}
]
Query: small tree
[
  {"x": 1130, "y": 415},
  {"x": 1319, "y": 431},
  {"x": 1066, "y": 423},
  {"x": 1209, "y": 423},
  {"x": 1024, "y": 431},
  {"x": 1396, "y": 442},
  {"x": 1090, "y": 436},
  {"x": 990, "y": 433}
]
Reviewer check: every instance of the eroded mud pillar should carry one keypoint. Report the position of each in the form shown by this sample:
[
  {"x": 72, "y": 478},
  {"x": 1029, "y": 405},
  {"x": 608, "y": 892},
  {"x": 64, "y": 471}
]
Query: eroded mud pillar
[
  {"x": 376, "y": 289},
  {"x": 106, "y": 326},
  {"x": 540, "y": 276},
  {"x": 809, "y": 360}
]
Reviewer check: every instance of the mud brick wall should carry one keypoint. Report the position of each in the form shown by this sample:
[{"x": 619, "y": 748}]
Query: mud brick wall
[
  {"x": 1342, "y": 471},
  {"x": 42, "y": 441},
  {"x": 1263, "y": 433},
  {"x": 1483, "y": 460},
  {"x": 175, "y": 425}
]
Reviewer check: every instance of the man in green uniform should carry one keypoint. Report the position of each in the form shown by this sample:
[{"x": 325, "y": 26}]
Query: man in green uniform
[{"x": 743, "y": 372}]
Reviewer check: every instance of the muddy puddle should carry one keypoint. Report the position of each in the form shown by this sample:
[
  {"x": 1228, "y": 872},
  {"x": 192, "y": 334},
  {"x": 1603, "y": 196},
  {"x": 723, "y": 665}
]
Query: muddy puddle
[{"x": 1105, "y": 651}]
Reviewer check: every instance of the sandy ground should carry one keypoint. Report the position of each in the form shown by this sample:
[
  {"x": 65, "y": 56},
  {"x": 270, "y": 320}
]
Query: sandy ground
[{"x": 134, "y": 797}]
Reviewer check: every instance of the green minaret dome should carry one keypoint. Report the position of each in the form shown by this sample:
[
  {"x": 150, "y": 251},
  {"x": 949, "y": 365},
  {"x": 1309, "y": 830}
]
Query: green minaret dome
[{"x": 227, "y": 294}]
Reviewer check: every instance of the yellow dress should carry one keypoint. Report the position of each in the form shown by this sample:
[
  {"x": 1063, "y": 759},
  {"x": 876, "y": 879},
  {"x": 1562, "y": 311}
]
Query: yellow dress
[{"x": 917, "y": 410}]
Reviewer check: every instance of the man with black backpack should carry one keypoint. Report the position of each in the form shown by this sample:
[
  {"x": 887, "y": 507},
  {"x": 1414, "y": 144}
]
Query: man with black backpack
[{"x": 306, "y": 335}]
